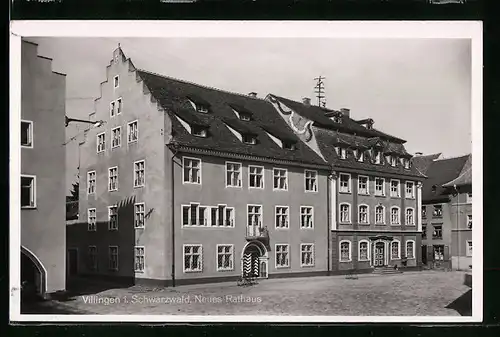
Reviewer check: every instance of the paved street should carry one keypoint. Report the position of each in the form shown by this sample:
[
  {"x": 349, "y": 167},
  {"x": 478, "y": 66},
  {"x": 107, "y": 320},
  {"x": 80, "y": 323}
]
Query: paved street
[{"x": 427, "y": 293}]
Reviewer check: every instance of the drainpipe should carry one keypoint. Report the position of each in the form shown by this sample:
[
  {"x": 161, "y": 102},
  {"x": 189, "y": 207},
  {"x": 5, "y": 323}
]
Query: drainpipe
[
  {"x": 172, "y": 183},
  {"x": 329, "y": 224},
  {"x": 458, "y": 229}
]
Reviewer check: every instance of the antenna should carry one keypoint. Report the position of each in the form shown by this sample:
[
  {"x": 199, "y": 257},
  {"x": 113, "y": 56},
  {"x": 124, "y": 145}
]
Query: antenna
[{"x": 319, "y": 89}]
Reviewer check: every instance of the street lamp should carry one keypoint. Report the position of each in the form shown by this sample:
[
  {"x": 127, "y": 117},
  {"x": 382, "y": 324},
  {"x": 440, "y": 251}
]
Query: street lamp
[{"x": 96, "y": 124}]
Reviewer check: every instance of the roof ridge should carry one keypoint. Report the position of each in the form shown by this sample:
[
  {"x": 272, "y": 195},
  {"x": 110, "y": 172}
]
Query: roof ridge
[
  {"x": 454, "y": 157},
  {"x": 200, "y": 85}
]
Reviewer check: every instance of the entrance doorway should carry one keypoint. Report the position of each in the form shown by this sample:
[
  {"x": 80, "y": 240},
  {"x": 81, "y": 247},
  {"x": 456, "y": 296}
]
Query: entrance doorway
[
  {"x": 379, "y": 258},
  {"x": 33, "y": 276},
  {"x": 72, "y": 261},
  {"x": 254, "y": 261},
  {"x": 424, "y": 254}
]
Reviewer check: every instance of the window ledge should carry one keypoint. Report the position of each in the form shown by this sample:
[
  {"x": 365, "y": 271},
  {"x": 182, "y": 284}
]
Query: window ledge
[
  {"x": 345, "y": 261},
  {"x": 345, "y": 192},
  {"x": 282, "y": 267},
  {"x": 29, "y": 207},
  {"x": 307, "y": 265}
]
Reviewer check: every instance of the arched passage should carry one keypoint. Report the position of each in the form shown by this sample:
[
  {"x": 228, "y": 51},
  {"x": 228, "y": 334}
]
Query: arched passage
[
  {"x": 254, "y": 260},
  {"x": 33, "y": 273}
]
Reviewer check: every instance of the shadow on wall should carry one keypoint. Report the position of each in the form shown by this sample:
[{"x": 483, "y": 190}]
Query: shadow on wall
[
  {"x": 84, "y": 276},
  {"x": 463, "y": 304}
]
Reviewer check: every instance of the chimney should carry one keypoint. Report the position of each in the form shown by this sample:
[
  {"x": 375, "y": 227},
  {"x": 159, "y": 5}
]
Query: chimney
[
  {"x": 346, "y": 112},
  {"x": 252, "y": 94},
  {"x": 306, "y": 101},
  {"x": 418, "y": 153}
]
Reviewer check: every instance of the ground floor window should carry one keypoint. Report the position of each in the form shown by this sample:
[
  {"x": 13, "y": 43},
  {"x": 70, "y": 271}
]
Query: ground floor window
[
  {"x": 307, "y": 254},
  {"x": 193, "y": 258},
  {"x": 410, "y": 249},
  {"x": 113, "y": 257},
  {"x": 92, "y": 258},
  {"x": 139, "y": 259},
  {"x": 395, "y": 250},
  {"x": 364, "y": 251},
  {"x": 469, "y": 248},
  {"x": 345, "y": 251},
  {"x": 282, "y": 255},
  {"x": 225, "y": 257},
  {"x": 438, "y": 252}
]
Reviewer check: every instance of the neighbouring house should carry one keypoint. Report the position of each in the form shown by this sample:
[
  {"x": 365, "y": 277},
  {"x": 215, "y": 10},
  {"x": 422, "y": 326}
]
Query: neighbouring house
[
  {"x": 186, "y": 183},
  {"x": 374, "y": 188},
  {"x": 446, "y": 211},
  {"x": 43, "y": 230}
]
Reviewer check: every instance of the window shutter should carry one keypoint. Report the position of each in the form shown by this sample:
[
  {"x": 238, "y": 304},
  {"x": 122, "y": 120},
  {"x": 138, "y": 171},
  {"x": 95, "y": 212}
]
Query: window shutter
[
  {"x": 430, "y": 253},
  {"x": 446, "y": 253}
]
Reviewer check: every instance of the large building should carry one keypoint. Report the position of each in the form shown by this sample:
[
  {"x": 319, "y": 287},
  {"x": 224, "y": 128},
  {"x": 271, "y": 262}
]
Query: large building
[
  {"x": 375, "y": 190},
  {"x": 447, "y": 211},
  {"x": 43, "y": 229},
  {"x": 186, "y": 183}
]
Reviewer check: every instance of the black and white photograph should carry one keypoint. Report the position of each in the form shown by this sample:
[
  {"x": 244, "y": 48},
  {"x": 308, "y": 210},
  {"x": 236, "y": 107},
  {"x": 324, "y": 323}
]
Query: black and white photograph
[{"x": 246, "y": 171}]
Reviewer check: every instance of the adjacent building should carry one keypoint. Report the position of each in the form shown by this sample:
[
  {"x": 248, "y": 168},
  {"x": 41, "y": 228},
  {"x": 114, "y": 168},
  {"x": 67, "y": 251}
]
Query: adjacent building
[
  {"x": 185, "y": 183},
  {"x": 375, "y": 191},
  {"x": 446, "y": 211},
  {"x": 43, "y": 229}
]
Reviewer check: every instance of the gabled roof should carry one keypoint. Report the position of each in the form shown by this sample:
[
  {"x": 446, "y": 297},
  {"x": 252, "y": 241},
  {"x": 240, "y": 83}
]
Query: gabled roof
[
  {"x": 440, "y": 172},
  {"x": 328, "y": 139},
  {"x": 348, "y": 125},
  {"x": 422, "y": 163},
  {"x": 465, "y": 177},
  {"x": 173, "y": 95}
]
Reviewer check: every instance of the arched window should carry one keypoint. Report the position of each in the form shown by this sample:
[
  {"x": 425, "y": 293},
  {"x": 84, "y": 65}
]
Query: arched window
[
  {"x": 364, "y": 250},
  {"x": 345, "y": 213},
  {"x": 395, "y": 215},
  {"x": 345, "y": 251},
  {"x": 410, "y": 217},
  {"x": 395, "y": 250},
  {"x": 380, "y": 214},
  {"x": 363, "y": 216},
  {"x": 410, "y": 249}
]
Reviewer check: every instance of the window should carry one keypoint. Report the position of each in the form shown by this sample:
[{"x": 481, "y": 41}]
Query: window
[
  {"x": 306, "y": 254},
  {"x": 438, "y": 232},
  {"x": 201, "y": 108},
  {"x": 92, "y": 258},
  {"x": 424, "y": 231},
  {"x": 410, "y": 190},
  {"x": 139, "y": 173},
  {"x": 343, "y": 153},
  {"x": 282, "y": 256},
  {"x": 469, "y": 221},
  {"x": 199, "y": 131},
  {"x": 289, "y": 145},
  {"x": 101, "y": 142},
  {"x": 249, "y": 139},
  {"x": 361, "y": 156},
  {"x": 193, "y": 258},
  {"x": 438, "y": 252},
  {"x": 345, "y": 213},
  {"x": 256, "y": 176},
  {"x": 363, "y": 214},
  {"x": 112, "y": 108},
  {"x": 395, "y": 188},
  {"x": 116, "y": 137},
  {"x": 254, "y": 215},
  {"x": 113, "y": 257},
  {"x": 469, "y": 198},
  {"x": 28, "y": 192},
  {"x": 116, "y": 82},
  {"x": 139, "y": 259},
  {"x": 113, "y": 217},
  {"x": 395, "y": 250},
  {"x": 410, "y": 217},
  {"x": 362, "y": 185},
  {"x": 424, "y": 212},
  {"x": 91, "y": 182},
  {"x": 469, "y": 248},
  {"x": 220, "y": 215},
  {"x": 377, "y": 157},
  {"x": 438, "y": 211},
  {"x": 233, "y": 174},
  {"x": 192, "y": 170},
  {"x": 379, "y": 215},
  {"x": 410, "y": 249},
  {"x": 224, "y": 257},
  {"x": 364, "y": 251},
  {"x": 139, "y": 213},
  {"x": 113, "y": 179},
  {"x": 280, "y": 179},
  {"x": 132, "y": 132},
  {"x": 392, "y": 161},
  {"x": 306, "y": 217},
  {"x": 379, "y": 186},
  {"x": 26, "y": 134},
  {"x": 345, "y": 183},
  {"x": 245, "y": 117},
  {"x": 91, "y": 220},
  {"x": 119, "y": 106},
  {"x": 406, "y": 163},
  {"x": 395, "y": 216},
  {"x": 281, "y": 217},
  {"x": 345, "y": 251},
  {"x": 311, "y": 182}
]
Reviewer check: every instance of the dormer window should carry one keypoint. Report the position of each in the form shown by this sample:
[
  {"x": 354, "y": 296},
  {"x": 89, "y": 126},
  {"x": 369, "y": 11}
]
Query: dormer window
[
  {"x": 249, "y": 139},
  {"x": 361, "y": 157},
  {"x": 336, "y": 119},
  {"x": 343, "y": 153},
  {"x": 392, "y": 161},
  {"x": 289, "y": 145},
  {"x": 245, "y": 117},
  {"x": 202, "y": 108},
  {"x": 199, "y": 131},
  {"x": 377, "y": 157},
  {"x": 406, "y": 163}
]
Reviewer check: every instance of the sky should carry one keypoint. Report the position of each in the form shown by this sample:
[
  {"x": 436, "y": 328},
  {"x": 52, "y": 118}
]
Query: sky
[{"x": 416, "y": 89}]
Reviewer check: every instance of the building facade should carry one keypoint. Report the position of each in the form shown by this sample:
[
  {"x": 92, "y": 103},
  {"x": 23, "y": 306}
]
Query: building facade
[
  {"x": 447, "y": 212},
  {"x": 185, "y": 183},
  {"x": 43, "y": 230},
  {"x": 375, "y": 191}
]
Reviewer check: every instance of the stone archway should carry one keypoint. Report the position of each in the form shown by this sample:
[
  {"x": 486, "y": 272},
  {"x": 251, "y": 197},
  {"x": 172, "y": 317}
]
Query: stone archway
[
  {"x": 254, "y": 260},
  {"x": 33, "y": 273}
]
